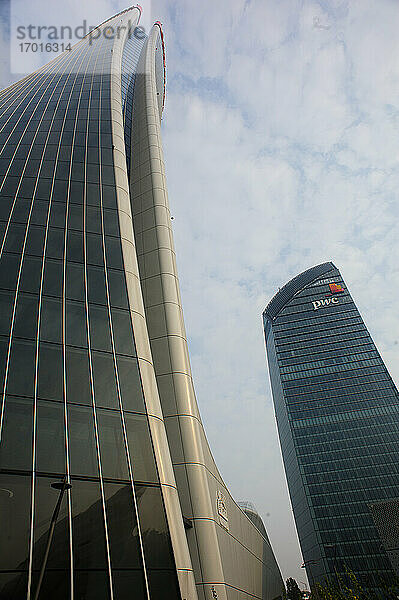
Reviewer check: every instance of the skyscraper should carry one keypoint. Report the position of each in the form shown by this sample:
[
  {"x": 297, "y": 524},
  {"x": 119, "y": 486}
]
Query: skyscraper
[
  {"x": 337, "y": 413},
  {"x": 108, "y": 488}
]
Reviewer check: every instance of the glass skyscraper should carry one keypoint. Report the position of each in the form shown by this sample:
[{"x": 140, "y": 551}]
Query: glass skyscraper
[
  {"x": 337, "y": 413},
  {"x": 108, "y": 489}
]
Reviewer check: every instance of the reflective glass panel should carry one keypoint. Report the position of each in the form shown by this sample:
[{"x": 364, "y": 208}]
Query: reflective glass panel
[
  {"x": 46, "y": 498},
  {"x": 104, "y": 380},
  {"x": 76, "y": 329},
  {"x": 77, "y": 374},
  {"x": 123, "y": 332},
  {"x": 16, "y": 440},
  {"x": 130, "y": 384},
  {"x": 50, "y": 384},
  {"x": 140, "y": 448},
  {"x": 100, "y": 333},
  {"x": 15, "y": 500},
  {"x": 26, "y": 316},
  {"x": 122, "y": 526},
  {"x": 6, "y": 306},
  {"x": 89, "y": 549},
  {"x": 126, "y": 581},
  {"x": 82, "y": 444},
  {"x": 93, "y": 585},
  {"x": 50, "y": 438},
  {"x": 112, "y": 446},
  {"x": 13, "y": 585},
  {"x": 22, "y": 368},
  {"x": 51, "y": 320},
  {"x": 53, "y": 278},
  {"x": 156, "y": 540}
]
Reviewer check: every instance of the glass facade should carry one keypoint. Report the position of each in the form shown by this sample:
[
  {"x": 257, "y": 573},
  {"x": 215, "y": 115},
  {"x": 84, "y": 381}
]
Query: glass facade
[
  {"x": 72, "y": 402},
  {"x": 338, "y": 420}
]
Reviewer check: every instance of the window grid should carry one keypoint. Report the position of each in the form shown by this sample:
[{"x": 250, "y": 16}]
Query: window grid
[
  {"x": 337, "y": 424},
  {"x": 82, "y": 57},
  {"x": 75, "y": 121},
  {"x": 129, "y": 462}
]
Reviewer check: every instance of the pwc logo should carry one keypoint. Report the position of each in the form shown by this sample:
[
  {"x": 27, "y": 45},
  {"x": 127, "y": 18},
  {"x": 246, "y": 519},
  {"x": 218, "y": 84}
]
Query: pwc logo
[
  {"x": 336, "y": 288},
  {"x": 322, "y": 303}
]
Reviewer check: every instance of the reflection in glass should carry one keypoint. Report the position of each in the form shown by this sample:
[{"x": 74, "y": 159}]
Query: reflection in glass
[
  {"x": 77, "y": 375},
  {"x": 35, "y": 240},
  {"x": 82, "y": 447},
  {"x": 22, "y": 368},
  {"x": 50, "y": 384},
  {"x": 13, "y": 585},
  {"x": 55, "y": 584},
  {"x": 21, "y": 210},
  {"x": 15, "y": 238},
  {"x": 113, "y": 251},
  {"x": 94, "y": 249},
  {"x": 96, "y": 285},
  {"x": 26, "y": 316},
  {"x": 50, "y": 437},
  {"x": 51, "y": 320},
  {"x": 45, "y": 502},
  {"x": 88, "y": 531},
  {"x": 15, "y": 500},
  {"x": 75, "y": 246},
  {"x": 16, "y": 439},
  {"x": 140, "y": 448},
  {"x": 94, "y": 585},
  {"x": 76, "y": 331},
  {"x": 163, "y": 585},
  {"x": 130, "y": 384},
  {"x": 75, "y": 285},
  {"x": 104, "y": 380},
  {"x": 122, "y": 526},
  {"x": 125, "y": 581},
  {"x": 57, "y": 214},
  {"x": 6, "y": 306},
  {"x": 93, "y": 219},
  {"x": 112, "y": 446},
  {"x": 9, "y": 264},
  {"x": 55, "y": 243},
  {"x": 100, "y": 334},
  {"x": 157, "y": 546},
  {"x": 117, "y": 289},
  {"x": 31, "y": 273},
  {"x": 53, "y": 278},
  {"x": 3, "y": 356},
  {"x": 123, "y": 333}
]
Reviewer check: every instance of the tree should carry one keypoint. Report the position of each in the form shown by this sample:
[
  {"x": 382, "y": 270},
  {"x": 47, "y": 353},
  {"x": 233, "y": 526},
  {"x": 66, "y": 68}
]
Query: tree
[
  {"x": 293, "y": 591},
  {"x": 346, "y": 586}
]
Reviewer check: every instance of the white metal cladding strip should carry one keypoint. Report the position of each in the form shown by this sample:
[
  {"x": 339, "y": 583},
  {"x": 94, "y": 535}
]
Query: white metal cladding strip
[
  {"x": 122, "y": 189},
  {"x": 152, "y": 402},
  {"x": 150, "y": 189},
  {"x": 169, "y": 348}
]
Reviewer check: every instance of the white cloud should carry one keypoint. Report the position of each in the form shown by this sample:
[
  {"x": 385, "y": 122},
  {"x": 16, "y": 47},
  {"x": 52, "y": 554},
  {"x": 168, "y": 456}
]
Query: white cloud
[{"x": 291, "y": 162}]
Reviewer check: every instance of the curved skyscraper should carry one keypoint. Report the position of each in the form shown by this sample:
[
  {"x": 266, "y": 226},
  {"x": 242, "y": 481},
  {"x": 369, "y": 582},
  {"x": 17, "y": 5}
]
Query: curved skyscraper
[
  {"x": 108, "y": 488},
  {"x": 337, "y": 413}
]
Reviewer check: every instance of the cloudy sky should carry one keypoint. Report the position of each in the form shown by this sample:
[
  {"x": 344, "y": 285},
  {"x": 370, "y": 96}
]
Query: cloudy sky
[{"x": 282, "y": 148}]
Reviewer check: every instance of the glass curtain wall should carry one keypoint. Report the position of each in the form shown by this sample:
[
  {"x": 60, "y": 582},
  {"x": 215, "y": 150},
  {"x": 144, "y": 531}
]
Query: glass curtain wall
[
  {"x": 72, "y": 406},
  {"x": 338, "y": 420}
]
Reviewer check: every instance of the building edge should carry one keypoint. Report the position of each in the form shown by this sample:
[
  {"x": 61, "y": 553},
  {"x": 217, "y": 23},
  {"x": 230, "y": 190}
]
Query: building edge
[
  {"x": 204, "y": 498},
  {"x": 155, "y": 416}
]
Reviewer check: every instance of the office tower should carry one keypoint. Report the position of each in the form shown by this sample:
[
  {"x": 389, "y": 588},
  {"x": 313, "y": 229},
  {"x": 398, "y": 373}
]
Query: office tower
[
  {"x": 107, "y": 485},
  {"x": 386, "y": 519},
  {"x": 338, "y": 420}
]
